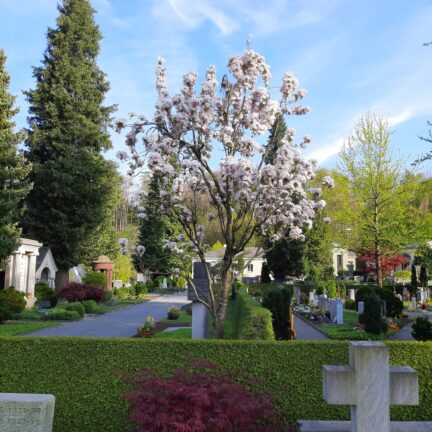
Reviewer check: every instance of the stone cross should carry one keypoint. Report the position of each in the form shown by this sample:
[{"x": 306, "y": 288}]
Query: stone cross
[
  {"x": 26, "y": 412},
  {"x": 370, "y": 386}
]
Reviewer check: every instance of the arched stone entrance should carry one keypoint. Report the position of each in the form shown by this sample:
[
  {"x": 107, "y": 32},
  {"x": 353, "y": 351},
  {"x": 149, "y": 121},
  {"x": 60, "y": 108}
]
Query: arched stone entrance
[{"x": 45, "y": 275}]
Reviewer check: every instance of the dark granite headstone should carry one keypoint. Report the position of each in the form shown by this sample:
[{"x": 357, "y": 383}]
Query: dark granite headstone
[{"x": 200, "y": 282}]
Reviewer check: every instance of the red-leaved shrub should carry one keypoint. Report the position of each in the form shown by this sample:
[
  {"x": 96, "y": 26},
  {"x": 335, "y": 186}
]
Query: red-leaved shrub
[
  {"x": 74, "y": 291},
  {"x": 200, "y": 399}
]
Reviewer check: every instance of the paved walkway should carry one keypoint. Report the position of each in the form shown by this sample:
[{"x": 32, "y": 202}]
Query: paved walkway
[
  {"x": 306, "y": 331},
  {"x": 404, "y": 334},
  {"x": 122, "y": 323}
]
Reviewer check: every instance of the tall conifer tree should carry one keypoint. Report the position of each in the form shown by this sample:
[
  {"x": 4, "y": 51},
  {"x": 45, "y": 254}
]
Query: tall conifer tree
[
  {"x": 67, "y": 133},
  {"x": 14, "y": 185},
  {"x": 155, "y": 228}
]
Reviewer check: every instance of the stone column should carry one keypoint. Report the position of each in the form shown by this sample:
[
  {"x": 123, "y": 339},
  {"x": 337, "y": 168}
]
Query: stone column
[
  {"x": 200, "y": 321},
  {"x": 9, "y": 271}
]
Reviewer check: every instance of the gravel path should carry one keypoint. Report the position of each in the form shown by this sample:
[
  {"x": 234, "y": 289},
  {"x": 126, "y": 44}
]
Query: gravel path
[{"x": 121, "y": 323}]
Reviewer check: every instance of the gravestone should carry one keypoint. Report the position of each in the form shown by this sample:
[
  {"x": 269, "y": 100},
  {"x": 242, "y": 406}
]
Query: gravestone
[
  {"x": 322, "y": 303},
  {"x": 351, "y": 294},
  {"x": 360, "y": 307},
  {"x": 406, "y": 293},
  {"x": 369, "y": 385},
  {"x": 312, "y": 298},
  {"x": 118, "y": 283},
  {"x": 198, "y": 288},
  {"x": 297, "y": 294},
  {"x": 413, "y": 302},
  {"x": 421, "y": 295},
  {"x": 140, "y": 277},
  {"x": 26, "y": 412},
  {"x": 336, "y": 311}
]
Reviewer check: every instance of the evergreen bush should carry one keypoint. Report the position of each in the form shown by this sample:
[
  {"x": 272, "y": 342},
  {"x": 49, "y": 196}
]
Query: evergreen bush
[
  {"x": 278, "y": 302},
  {"x": 422, "y": 329},
  {"x": 373, "y": 320},
  {"x": 90, "y": 306},
  {"x": 60, "y": 315},
  {"x": 95, "y": 278},
  {"x": 44, "y": 292},
  {"x": 11, "y": 301},
  {"x": 76, "y": 307}
]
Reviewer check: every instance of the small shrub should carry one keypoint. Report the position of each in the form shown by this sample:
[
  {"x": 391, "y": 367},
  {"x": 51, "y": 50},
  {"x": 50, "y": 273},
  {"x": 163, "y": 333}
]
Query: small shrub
[
  {"x": 90, "y": 306},
  {"x": 173, "y": 313},
  {"x": 95, "y": 278},
  {"x": 422, "y": 329},
  {"x": 197, "y": 399},
  {"x": 125, "y": 292},
  {"x": 11, "y": 301},
  {"x": 108, "y": 296},
  {"x": 140, "y": 288},
  {"x": 74, "y": 292},
  {"x": 77, "y": 307},
  {"x": 60, "y": 315},
  {"x": 26, "y": 315},
  {"x": 44, "y": 292},
  {"x": 373, "y": 320}
]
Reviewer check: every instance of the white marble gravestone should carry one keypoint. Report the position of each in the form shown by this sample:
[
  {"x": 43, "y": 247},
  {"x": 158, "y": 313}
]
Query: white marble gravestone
[
  {"x": 413, "y": 302},
  {"x": 118, "y": 283},
  {"x": 311, "y": 298},
  {"x": 26, "y": 412},
  {"x": 351, "y": 294},
  {"x": 369, "y": 385}
]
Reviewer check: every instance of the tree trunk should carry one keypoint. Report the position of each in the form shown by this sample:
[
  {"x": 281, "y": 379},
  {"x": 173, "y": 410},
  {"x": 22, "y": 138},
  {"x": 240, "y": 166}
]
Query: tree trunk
[
  {"x": 61, "y": 279},
  {"x": 378, "y": 266},
  {"x": 223, "y": 300}
]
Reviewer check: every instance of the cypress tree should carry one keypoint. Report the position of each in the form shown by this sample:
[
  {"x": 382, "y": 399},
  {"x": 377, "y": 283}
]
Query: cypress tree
[
  {"x": 67, "y": 133},
  {"x": 14, "y": 185},
  {"x": 277, "y": 132},
  {"x": 414, "y": 281},
  {"x": 423, "y": 276}
]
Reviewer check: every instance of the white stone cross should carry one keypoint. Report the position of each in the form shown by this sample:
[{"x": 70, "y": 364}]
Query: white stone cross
[{"x": 370, "y": 386}]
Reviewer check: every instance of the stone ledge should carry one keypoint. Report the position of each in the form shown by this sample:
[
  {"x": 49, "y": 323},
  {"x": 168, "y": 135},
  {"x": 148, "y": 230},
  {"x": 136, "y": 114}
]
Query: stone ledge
[
  {"x": 308, "y": 322},
  {"x": 345, "y": 426}
]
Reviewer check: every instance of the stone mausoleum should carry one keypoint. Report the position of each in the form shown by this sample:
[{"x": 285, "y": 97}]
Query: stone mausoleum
[{"x": 30, "y": 263}]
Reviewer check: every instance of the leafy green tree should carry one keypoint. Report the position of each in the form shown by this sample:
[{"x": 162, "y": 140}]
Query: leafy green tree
[
  {"x": 376, "y": 182},
  {"x": 123, "y": 268},
  {"x": 67, "y": 133},
  {"x": 14, "y": 184},
  {"x": 423, "y": 256},
  {"x": 154, "y": 229},
  {"x": 286, "y": 258},
  {"x": 318, "y": 259}
]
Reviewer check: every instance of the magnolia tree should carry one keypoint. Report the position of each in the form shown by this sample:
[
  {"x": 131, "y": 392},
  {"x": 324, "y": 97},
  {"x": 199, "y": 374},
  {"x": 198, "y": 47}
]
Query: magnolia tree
[{"x": 193, "y": 130}]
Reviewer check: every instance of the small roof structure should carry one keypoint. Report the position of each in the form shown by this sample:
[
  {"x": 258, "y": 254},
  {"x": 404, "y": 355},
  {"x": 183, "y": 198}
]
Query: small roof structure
[{"x": 103, "y": 259}]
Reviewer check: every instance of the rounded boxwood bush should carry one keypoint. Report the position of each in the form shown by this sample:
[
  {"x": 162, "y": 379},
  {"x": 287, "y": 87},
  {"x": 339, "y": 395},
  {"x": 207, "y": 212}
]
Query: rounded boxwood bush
[
  {"x": 422, "y": 329},
  {"x": 90, "y": 306},
  {"x": 77, "y": 307},
  {"x": 45, "y": 293},
  {"x": 11, "y": 301}
]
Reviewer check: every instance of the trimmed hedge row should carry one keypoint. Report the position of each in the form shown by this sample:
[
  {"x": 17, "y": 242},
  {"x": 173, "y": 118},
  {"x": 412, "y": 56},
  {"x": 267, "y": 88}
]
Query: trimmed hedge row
[
  {"x": 83, "y": 374},
  {"x": 251, "y": 319}
]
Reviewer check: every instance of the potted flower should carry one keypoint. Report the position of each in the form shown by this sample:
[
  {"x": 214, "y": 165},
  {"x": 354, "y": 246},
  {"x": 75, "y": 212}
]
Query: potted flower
[
  {"x": 173, "y": 313},
  {"x": 147, "y": 330}
]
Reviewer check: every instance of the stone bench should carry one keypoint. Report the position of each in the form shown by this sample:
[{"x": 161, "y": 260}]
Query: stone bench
[{"x": 26, "y": 412}]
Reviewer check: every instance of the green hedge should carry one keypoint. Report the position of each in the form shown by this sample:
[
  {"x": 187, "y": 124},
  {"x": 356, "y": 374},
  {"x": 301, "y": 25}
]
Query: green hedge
[
  {"x": 252, "y": 321},
  {"x": 83, "y": 374}
]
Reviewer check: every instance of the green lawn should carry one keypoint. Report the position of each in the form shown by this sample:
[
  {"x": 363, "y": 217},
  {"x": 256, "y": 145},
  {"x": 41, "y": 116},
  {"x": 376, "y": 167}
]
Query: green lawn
[
  {"x": 184, "y": 318},
  {"x": 175, "y": 334},
  {"x": 346, "y": 332},
  {"x": 13, "y": 328}
]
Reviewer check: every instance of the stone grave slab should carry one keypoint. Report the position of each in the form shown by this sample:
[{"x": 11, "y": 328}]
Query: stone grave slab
[{"x": 26, "y": 412}]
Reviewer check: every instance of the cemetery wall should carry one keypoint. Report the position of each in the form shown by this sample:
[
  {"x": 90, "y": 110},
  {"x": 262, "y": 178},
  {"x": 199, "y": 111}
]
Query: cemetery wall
[{"x": 83, "y": 374}]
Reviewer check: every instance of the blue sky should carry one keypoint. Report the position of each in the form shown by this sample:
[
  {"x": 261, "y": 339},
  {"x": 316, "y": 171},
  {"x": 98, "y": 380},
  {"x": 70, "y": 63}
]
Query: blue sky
[{"x": 351, "y": 56}]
